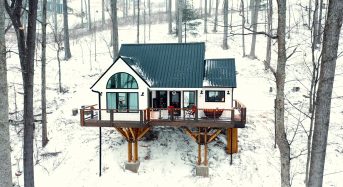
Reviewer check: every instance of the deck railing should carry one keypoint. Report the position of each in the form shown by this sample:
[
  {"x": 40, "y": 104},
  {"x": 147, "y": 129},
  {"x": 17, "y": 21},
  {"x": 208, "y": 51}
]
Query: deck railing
[{"x": 237, "y": 114}]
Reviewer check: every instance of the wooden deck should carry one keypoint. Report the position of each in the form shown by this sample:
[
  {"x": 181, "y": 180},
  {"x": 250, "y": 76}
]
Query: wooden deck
[{"x": 236, "y": 119}]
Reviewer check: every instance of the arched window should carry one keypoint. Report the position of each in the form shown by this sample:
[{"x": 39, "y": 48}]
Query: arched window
[{"x": 122, "y": 81}]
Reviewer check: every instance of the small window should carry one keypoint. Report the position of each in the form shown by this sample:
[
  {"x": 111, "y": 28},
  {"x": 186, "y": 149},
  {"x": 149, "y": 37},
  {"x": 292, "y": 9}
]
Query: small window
[
  {"x": 215, "y": 96},
  {"x": 122, "y": 81},
  {"x": 123, "y": 102}
]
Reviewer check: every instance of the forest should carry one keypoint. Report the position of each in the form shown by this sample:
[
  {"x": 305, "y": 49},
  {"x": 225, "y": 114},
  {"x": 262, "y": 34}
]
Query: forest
[{"x": 289, "y": 69}]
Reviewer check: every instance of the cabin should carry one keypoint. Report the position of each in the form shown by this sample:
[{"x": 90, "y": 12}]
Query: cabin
[{"x": 168, "y": 84}]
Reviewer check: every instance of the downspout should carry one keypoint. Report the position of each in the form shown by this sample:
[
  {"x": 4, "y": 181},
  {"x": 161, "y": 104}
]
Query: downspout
[
  {"x": 100, "y": 143},
  {"x": 232, "y": 98}
]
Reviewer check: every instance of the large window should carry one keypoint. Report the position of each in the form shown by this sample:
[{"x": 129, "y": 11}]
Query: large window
[
  {"x": 122, "y": 101},
  {"x": 215, "y": 96},
  {"x": 188, "y": 99},
  {"x": 122, "y": 81}
]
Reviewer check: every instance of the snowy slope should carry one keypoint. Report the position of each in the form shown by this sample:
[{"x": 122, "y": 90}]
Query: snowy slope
[{"x": 168, "y": 158}]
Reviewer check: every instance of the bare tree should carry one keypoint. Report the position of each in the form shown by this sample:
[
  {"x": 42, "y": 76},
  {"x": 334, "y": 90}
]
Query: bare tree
[
  {"x": 5, "y": 149},
  {"x": 43, "y": 76},
  {"x": 26, "y": 40},
  {"x": 89, "y": 15},
  {"x": 103, "y": 13},
  {"x": 243, "y": 26},
  {"x": 226, "y": 22},
  {"x": 326, "y": 79},
  {"x": 269, "y": 30},
  {"x": 67, "y": 54},
  {"x": 280, "y": 76},
  {"x": 254, "y": 19},
  {"x": 114, "y": 19},
  {"x": 170, "y": 18},
  {"x": 138, "y": 21},
  {"x": 216, "y": 17},
  {"x": 205, "y": 18},
  {"x": 179, "y": 20}
]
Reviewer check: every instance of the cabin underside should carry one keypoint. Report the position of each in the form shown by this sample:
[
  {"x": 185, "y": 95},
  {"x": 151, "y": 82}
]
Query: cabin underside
[{"x": 202, "y": 130}]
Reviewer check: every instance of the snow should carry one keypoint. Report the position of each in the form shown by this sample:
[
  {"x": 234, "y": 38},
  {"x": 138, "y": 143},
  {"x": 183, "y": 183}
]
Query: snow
[{"x": 71, "y": 156}]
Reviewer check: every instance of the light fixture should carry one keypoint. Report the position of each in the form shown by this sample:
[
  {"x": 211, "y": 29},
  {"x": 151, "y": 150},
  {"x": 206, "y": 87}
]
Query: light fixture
[
  {"x": 228, "y": 92},
  {"x": 174, "y": 92},
  {"x": 142, "y": 94},
  {"x": 201, "y": 92}
]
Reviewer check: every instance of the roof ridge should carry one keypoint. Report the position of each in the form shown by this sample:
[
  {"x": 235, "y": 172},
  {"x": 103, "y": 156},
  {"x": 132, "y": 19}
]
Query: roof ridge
[{"x": 135, "y": 44}]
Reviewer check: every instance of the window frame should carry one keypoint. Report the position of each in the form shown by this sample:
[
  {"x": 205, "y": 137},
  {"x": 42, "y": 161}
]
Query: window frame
[
  {"x": 121, "y": 88},
  {"x": 127, "y": 101},
  {"x": 207, "y": 96}
]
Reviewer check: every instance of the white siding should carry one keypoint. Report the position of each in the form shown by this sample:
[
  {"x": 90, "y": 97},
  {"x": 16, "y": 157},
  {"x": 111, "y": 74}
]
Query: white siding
[{"x": 121, "y": 66}]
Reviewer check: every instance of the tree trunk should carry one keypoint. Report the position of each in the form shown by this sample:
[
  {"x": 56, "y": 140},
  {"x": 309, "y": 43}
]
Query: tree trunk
[
  {"x": 138, "y": 21},
  {"x": 254, "y": 26},
  {"x": 5, "y": 148},
  {"x": 210, "y": 8},
  {"x": 326, "y": 79},
  {"x": 309, "y": 13},
  {"x": 226, "y": 22},
  {"x": 281, "y": 136},
  {"x": 144, "y": 21},
  {"x": 82, "y": 13},
  {"x": 205, "y": 18},
  {"x": 149, "y": 14},
  {"x": 89, "y": 16},
  {"x": 170, "y": 19},
  {"x": 216, "y": 17},
  {"x": 243, "y": 27},
  {"x": 179, "y": 21},
  {"x": 67, "y": 54},
  {"x": 55, "y": 15},
  {"x": 103, "y": 13},
  {"x": 320, "y": 22},
  {"x": 114, "y": 28},
  {"x": 43, "y": 75},
  {"x": 26, "y": 47},
  {"x": 315, "y": 24},
  {"x": 270, "y": 29}
]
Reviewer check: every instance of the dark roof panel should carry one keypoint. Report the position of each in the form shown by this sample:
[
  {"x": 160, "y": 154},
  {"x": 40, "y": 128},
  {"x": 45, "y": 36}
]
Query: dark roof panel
[
  {"x": 220, "y": 73},
  {"x": 167, "y": 65}
]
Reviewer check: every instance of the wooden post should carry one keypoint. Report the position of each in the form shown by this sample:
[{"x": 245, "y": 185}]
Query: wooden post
[
  {"x": 206, "y": 148},
  {"x": 129, "y": 149},
  {"x": 199, "y": 148},
  {"x": 135, "y": 151},
  {"x": 233, "y": 115},
  {"x": 82, "y": 117}
]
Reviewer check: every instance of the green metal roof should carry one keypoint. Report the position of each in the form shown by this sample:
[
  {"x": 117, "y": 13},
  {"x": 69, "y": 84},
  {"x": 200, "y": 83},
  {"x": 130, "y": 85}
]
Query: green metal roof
[
  {"x": 175, "y": 65},
  {"x": 220, "y": 73},
  {"x": 167, "y": 65}
]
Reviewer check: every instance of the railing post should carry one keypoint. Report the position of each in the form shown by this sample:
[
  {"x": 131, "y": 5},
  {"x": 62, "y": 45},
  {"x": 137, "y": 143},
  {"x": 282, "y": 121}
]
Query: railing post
[
  {"x": 141, "y": 116},
  {"x": 111, "y": 116},
  {"x": 148, "y": 114},
  {"x": 82, "y": 117},
  {"x": 232, "y": 115},
  {"x": 172, "y": 114},
  {"x": 196, "y": 114},
  {"x": 214, "y": 114}
]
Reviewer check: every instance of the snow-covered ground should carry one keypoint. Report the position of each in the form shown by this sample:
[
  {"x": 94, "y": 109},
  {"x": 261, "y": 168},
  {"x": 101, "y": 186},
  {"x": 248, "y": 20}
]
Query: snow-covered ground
[{"x": 168, "y": 157}]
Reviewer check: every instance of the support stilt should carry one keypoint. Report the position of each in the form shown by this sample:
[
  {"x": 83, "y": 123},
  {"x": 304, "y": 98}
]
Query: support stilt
[
  {"x": 129, "y": 151},
  {"x": 206, "y": 148},
  {"x": 135, "y": 151}
]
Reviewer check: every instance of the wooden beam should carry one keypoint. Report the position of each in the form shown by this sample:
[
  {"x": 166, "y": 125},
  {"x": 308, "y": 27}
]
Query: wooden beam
[
  {"x": 190, "y": 134},
  {"x": 132, "y": 133},
  {"x": 141, "y": 134},
  {"x": 120, "y": 130},
  {"x": 127, "y": 134},
  {"x": 213, "y": 136}
]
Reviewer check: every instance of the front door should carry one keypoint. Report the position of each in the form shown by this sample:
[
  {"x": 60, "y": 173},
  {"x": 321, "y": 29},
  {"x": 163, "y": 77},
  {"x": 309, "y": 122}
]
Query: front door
[{"x": 175, "y": 101}]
